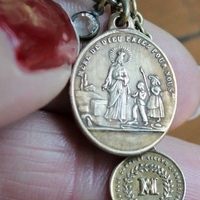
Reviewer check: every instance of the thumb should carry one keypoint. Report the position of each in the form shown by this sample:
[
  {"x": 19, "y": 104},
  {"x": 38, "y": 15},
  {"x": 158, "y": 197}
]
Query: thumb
[{"x": 38, "y": 45}]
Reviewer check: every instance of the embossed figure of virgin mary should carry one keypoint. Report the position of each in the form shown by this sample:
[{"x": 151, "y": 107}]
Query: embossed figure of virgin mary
[{"x": 116, "y": 84}]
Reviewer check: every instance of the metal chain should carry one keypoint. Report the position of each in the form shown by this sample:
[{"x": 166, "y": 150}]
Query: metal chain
[
  {"x": 115, "y": 3},
  {"x": 99, "y": 7},
  {"x": 133, "y": 8},
  {"x": 139, "y": 25},
  {"x": 140, "y": 20},
  {"x": 101, "y": 4},
  {"x": 126, "y": 8},
  {"x": 124, "y": 14}
]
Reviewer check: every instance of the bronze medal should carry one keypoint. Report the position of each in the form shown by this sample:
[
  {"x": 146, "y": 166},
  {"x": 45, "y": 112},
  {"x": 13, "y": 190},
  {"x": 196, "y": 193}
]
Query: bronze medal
[{"x": 123, "y": 91}]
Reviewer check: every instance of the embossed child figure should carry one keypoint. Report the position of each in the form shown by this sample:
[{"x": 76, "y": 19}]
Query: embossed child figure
[
  {"x": 140, "y": 105},
  {"x": 155, "y": 103}
]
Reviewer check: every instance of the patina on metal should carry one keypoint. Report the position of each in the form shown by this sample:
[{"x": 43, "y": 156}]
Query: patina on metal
[{"x": 123, "y": 90}]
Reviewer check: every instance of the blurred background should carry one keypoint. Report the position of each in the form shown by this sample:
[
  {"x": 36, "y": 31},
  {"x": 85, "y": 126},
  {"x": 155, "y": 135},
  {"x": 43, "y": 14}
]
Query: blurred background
[{"x": 181, "y": 18}]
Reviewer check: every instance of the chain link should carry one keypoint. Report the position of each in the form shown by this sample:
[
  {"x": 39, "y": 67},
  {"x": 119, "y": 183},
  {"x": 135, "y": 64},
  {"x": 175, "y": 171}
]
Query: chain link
[
  {"x": 133, "y": 8},
  {"x": 101, "y": 5},
  {"x": 115, "y": 3},
  {"x": 124, "y": 14},
  {"x": 126, "y": 8},
  {"x": 139, "y": 25}
]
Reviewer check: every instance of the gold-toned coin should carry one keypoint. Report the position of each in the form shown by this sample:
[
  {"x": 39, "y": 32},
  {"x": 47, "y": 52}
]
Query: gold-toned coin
[
  {"x": 151, "y": 176},
  {"x": 123, "y": 91}
]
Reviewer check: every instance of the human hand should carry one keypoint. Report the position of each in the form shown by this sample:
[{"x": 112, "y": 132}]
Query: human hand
[{"x": 45, "y": 156}]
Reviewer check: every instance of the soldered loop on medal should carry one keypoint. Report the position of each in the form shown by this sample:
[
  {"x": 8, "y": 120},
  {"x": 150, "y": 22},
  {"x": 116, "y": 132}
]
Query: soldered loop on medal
[
  {"x": 113, "y": 21},
  {"x": 129, "y": 9},
  {"x": 126, "y": 8}
]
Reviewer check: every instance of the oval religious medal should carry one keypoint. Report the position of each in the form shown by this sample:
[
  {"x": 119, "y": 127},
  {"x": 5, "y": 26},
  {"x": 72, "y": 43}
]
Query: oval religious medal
[
  {"x": 151, "y": 176},
  {"x": 123, "y": 91}
]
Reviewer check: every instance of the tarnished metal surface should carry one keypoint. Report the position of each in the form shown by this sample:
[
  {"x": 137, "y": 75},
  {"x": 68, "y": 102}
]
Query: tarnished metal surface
[{"x": 123, "y": 92}]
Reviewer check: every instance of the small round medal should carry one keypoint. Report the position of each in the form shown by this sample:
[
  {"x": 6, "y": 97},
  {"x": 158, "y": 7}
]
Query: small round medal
[
  {"x": 123, "y": 92},
  {"x": 151, "y": 176}
]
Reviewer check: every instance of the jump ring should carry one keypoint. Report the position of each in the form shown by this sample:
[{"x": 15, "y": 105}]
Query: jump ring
[
  {"x": 101, "y": 5},
  {"x": 113, "y": 2},
  {"x": 139, "y": 26},
  {"x": 140, "y": 18},
  {"x": 134, "y": 8},
  {"x": 125, "y": 14}
]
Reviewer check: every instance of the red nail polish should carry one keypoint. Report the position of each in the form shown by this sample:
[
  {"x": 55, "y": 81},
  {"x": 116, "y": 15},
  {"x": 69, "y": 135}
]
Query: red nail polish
[{"x": 40, "y": 32}]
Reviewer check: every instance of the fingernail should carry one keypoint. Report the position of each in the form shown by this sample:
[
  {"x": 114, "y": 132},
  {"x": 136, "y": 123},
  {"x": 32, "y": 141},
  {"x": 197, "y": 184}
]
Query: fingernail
[
  {"x": 196, "y": 114},
  {"x": 40, "y": 33}
]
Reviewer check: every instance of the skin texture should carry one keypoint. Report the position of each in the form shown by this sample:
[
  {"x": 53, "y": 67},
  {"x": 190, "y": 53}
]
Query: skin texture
[{"x": 45, "y": 156}]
